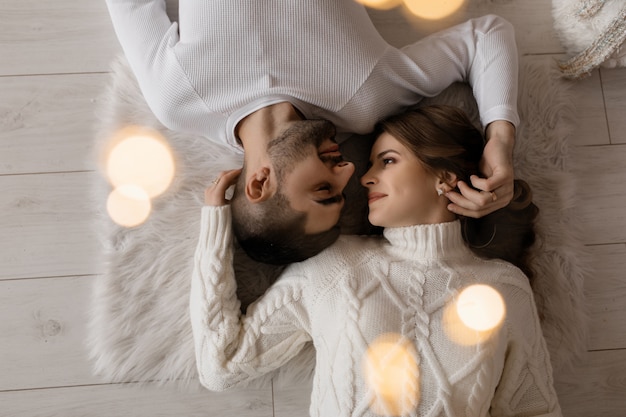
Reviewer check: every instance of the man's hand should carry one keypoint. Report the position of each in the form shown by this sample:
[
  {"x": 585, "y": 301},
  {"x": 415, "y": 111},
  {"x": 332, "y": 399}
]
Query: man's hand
[
  {"x": 496, "y": 190},
  {"x": 215, "y": 194}
]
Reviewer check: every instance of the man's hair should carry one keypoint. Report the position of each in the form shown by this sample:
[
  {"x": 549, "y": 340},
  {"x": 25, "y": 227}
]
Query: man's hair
[
  {"x": 444, "y": 139},
  {"x": 271, "y": 231}
]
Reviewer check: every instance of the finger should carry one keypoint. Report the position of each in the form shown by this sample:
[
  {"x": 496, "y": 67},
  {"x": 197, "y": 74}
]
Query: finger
[
  {"x": 463, "y": 211},
  {"x": 489, "y": 184},
  {"x": 474, "y": 203},
  {"x": 463, "y": 206},
  {"x": 215, "y": 194},
  {"x": 227, "y": 178},
  {"x": 479, "y": 198}
]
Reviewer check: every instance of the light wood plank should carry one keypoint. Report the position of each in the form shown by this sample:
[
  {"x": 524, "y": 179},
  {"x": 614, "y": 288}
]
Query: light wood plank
[
  {"x": 532, "y": 20},
  {"x": 43, "y": 331},
  {"x": 591, "y": 125},
  {"x": 47, "y": 122},
  {"x": 605, "y": 288},
  {"x": 596, "y": 386},
  {"x": 46, "y": 225},
  {"x": 614, "y": 85},
  {"x": 600, "y": 175},
  {"x": 293, "y": 401},
  {"x": 55, "y": 36},
  {"x": 135, "y": 401}
]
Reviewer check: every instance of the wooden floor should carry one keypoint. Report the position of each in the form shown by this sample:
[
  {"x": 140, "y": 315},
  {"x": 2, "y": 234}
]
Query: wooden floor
[{"x": 54, "y": 57}]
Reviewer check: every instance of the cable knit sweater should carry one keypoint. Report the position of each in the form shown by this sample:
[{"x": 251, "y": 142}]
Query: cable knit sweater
[
  {"x": 225, "y": 59},
  {"x": 357, "y": 290}
]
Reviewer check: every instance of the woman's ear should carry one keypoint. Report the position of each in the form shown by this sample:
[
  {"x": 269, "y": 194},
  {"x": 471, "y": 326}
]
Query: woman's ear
[
  {"x": 448, "y": 180},
  {"x": 260, "y": 185}
]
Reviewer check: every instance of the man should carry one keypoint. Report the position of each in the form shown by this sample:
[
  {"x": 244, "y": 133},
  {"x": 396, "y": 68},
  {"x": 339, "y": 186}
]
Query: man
[{"x": 270, "y": 78}]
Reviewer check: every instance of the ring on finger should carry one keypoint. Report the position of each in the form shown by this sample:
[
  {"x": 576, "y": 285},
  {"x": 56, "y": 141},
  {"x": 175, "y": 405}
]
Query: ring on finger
[{"x": 215, "y": 181}]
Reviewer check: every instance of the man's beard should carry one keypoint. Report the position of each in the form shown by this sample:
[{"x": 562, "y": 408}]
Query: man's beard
[{"x": 298, "y": 142}]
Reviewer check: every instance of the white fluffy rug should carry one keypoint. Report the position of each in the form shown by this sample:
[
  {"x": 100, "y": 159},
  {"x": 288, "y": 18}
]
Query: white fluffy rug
[
  {"x": 593, "y": 33},
  {"x": 139, "y": 327}
]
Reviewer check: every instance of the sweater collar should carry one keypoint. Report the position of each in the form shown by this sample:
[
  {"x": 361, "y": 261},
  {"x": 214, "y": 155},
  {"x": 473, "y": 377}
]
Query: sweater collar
[{"x": 428, "y": 241}]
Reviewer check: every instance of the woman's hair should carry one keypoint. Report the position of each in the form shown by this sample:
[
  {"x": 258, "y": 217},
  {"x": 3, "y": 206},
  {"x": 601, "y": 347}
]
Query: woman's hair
[{"x": 445, "y": 140}]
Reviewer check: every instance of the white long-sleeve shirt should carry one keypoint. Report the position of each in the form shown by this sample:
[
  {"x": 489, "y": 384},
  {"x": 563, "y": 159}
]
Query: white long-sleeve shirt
[
  {"x": 357, "y": 290},
  {"x": 224, "y": 59}
]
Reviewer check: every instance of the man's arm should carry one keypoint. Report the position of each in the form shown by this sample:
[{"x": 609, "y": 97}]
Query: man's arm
[
  {"x": 148, "y": 38},
  {"x": 145, "y": 33},
  {"x": 483, "y": 53}
]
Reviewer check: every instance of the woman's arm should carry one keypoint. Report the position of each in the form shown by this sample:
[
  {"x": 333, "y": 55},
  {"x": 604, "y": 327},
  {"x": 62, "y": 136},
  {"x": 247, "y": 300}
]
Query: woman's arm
[
  {"x": 232, "y": 349},
  {"x": 526, "y": 384}
]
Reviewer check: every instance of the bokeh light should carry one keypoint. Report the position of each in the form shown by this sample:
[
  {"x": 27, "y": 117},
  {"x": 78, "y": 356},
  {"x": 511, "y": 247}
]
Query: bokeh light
[
  {"x": 390, "y": 368},
  {"x": 480, "y": 307},
  {"x": 474, "y": 316},
  {"x": 380, "y": 4},
  {"x": 139, "y": 164},
  {"x": 433, "y": 9},
  {"x": 142, "y": 157},
  {"x": 129, "y": 205}
]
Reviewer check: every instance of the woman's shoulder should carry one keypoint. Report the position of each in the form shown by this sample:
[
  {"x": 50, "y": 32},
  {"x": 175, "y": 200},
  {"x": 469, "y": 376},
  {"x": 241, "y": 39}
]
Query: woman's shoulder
[{"x": 500, "y": 273}]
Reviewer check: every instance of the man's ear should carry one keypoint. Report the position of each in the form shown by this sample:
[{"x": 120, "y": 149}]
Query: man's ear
[
  {"x": 448, "y": 180},
  {"x": 260, "y": 185}
]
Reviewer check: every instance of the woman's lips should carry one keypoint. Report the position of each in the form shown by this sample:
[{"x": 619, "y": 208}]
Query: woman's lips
[{"x": 371, "y": 197}]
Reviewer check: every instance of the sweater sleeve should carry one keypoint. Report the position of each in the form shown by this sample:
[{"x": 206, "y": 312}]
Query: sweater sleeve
[
  {"x": 526, "y": 384},
  {"x": 232, "y": 349},
  {"x": 481, "y": 52},
  {"x": 149, "y": 39}
]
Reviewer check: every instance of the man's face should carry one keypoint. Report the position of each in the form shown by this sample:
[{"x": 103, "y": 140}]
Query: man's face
[{"x": 312, "y": 173}]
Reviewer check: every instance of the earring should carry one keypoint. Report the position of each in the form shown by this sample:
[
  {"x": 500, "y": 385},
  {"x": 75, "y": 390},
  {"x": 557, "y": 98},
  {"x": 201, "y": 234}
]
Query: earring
[{"x": 440, "y": 191}]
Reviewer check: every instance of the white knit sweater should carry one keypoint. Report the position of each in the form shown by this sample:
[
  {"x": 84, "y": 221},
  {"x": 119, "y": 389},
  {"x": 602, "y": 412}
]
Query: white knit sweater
[
  {"x": 357, "y": 290},
  {"x": 225, "y": 59}
]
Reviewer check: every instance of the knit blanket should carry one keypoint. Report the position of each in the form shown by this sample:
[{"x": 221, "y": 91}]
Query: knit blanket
[
  {"x": 593, "y": 33},
  {"x": 139, "y": 328}
]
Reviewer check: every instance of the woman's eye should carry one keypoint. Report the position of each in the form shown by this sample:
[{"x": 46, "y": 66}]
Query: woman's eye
[{"x": 388, "y": 161}]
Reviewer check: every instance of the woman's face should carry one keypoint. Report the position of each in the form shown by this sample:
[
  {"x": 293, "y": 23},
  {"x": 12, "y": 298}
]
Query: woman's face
[{"x": 401, "y": 192}]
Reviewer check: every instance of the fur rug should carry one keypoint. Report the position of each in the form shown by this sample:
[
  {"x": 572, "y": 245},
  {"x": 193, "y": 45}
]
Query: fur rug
[
  {"x": 593, "y": 33},
  {"x": 139, "y": 327}
]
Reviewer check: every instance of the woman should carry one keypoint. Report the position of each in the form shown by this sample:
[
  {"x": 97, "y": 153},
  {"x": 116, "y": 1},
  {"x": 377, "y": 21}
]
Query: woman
[{"x": 373, "y": 306}]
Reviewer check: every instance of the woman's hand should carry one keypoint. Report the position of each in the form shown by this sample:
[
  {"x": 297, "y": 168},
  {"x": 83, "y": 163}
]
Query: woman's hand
[
  {"x": 496, "y": 190},
  {"x": 215, "y": 194}
]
